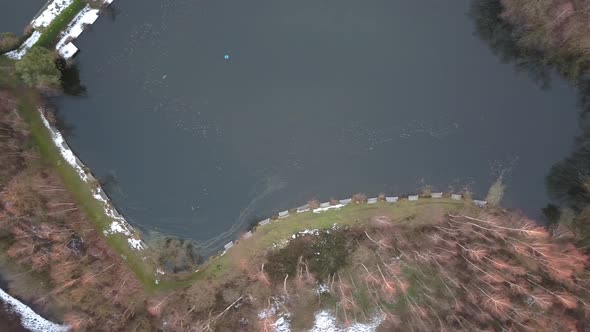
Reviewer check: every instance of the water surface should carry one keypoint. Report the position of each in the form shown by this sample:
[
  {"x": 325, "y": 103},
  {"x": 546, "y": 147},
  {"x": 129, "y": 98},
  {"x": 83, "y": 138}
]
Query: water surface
[
  {"x": 319, "y": 99},
  {"x": 16, "y": 15}
]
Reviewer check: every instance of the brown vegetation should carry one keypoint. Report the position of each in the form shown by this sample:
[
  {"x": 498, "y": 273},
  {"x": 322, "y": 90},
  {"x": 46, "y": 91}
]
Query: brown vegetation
[
  {"x": 431, "y": 271},
  {"x": 43, "y": 229},
  {"x": 558, "y": 28},
  {"x": 494, "y": 271}
]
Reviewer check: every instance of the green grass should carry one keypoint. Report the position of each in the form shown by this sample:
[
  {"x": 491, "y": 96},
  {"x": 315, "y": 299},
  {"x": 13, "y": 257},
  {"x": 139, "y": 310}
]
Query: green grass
[
  {"x": 265, "y": 236},
  {"x": 49, "y": 34},
  {"x": 82, "y": 191}
]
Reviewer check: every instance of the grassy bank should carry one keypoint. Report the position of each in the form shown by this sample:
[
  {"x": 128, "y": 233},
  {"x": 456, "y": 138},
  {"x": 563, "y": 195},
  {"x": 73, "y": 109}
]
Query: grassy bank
[
  {"x": 28, "y": 102},
  {"x": 49, "y": 34},
  {"x": 265, "y": 236},
  {"x": 248, "y": 249},
  {"x": 82, "y": 191}
]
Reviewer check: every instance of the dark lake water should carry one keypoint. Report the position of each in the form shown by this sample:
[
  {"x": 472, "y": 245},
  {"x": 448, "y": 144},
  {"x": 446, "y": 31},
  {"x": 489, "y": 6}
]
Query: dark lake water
[
  {"x": 15, "y": 15},
  {"x": 319, "y": 99}
]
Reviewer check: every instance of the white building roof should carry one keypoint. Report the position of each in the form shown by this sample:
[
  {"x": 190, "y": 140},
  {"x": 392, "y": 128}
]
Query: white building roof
[{"x": 67, "y": 51}]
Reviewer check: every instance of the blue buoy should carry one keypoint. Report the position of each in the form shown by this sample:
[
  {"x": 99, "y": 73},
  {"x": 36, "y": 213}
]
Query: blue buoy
[{"x": 226, "y": 57}]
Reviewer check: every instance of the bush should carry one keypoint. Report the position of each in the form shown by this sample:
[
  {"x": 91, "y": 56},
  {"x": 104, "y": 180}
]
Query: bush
[
  {"x": 359, "y": 198},
  {"x": 323, "y": 255},
  {"x": 8, "y": 42},
  {"x": 37, "y": 69}
]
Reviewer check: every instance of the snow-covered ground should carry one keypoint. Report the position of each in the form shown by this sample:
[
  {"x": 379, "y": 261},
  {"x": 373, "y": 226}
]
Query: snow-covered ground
[
  {"x": 331, "y": 207},
  {"x": 64, "y": 46},
  {"x": 325, "y": 321},
  {"x": 118, "y": 225},
  {"x": 24, "y": 48},
  {"x": 30, "y": 319},
  {"x": 51, "y": 11}
]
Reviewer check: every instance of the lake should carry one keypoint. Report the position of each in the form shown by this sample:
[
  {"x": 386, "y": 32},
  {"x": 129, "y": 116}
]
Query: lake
[
  {"x": 317, "y": 100},
  {"x": 16, "y": 15}
]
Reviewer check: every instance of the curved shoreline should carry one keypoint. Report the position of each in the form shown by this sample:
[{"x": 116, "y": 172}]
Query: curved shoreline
[
  {"x": 326, "y": 206},
  {"x": 29, "y": 318},
  {"x": 119, "y": 223},
  {"x": 119, "y": 226}
]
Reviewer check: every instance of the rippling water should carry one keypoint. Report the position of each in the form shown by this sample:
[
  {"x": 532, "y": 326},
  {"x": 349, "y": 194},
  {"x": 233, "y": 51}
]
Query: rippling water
[{"x": 318, "y": 99}]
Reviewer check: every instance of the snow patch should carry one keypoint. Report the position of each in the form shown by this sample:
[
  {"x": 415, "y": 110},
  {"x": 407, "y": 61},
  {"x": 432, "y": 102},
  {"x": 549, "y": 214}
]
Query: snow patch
[
  {"x": 135, "y": 244},
  {"x": 306, "y": 232},
  {"x": 315, "y": 231},
  {"x": 282, "y": 324},
  {"x": 24, "y": 48},
  {"x": 331, "y": 207},
  {"x": 30, "y": 319},
  {"x": 53, "y": 9},
  {"x": 87, "y": 16},
  {"x": 325, "y": 321},
  {"x": 322, "y": 289},
  {"x": 119, "y": 224},
  {"x": 63, "y": 147}
]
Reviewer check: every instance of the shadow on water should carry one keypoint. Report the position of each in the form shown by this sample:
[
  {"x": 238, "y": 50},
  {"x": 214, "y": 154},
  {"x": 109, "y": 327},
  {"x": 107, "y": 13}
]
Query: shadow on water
[
  {"x": 70, "y": 79},
  {"x": 72, "y": 86},
  {"x": 501, "y": 37},
  {"x": 568, "y": 181},
  {"x": 67, "y": 129},
  {"x": 111, "y": 11},
  {"x": 110, "y": 183}
]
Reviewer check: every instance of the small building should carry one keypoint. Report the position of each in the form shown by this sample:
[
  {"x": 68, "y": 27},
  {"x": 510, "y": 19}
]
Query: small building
[
  {"x": 228, "y": 245},
  {"x": 391, "y": 199},
  {"x": 264, "y": 222},
  {"x": 303, "y": 208},
  {"x": 436, "y": 195},
  {"x": 372, "y": 200},
  {"x": 284, "y": 214},
  {"x": 456, "y": 197},
  {"x": 67, "y": 51},
  {"x": 345, "y": 201},
  {"x": 413, "y": 197},
  {"x": 325, "y": 205},
  {"x": 247, "y": 235}
]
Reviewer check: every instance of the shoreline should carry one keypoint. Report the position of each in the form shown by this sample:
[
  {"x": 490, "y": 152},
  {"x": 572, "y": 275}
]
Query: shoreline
[
  {"x": 119, "y": 226},
  {"x": 262, "y": 238},
  {"x": 57, "y": 24},
  {"x": 29, "y": 319}
]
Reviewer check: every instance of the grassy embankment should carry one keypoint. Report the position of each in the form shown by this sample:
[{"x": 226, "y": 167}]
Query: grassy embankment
[
  {"x": 252, "y": 248},
  {"x": 264, "y": 237},
  {"x": 28, "y": 101},
  {"x": 49, "y": 34}
]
